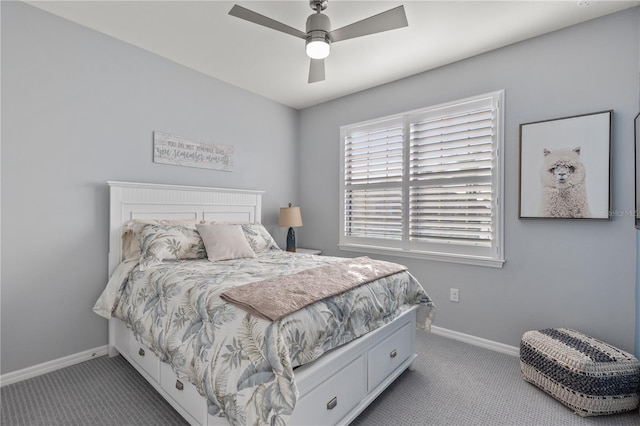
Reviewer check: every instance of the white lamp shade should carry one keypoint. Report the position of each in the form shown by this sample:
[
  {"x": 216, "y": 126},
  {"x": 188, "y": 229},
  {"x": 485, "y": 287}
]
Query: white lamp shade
[{"x": 290, "y": 217}]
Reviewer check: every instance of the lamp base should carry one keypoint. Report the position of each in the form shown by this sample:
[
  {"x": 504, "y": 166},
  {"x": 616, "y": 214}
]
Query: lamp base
[{"x": 291, "y": 240}]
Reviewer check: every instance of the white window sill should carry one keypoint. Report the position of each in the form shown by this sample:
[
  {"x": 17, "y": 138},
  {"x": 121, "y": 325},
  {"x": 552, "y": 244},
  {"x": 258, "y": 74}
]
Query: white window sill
[
  {"x": 442, "y": 257},
  {"x": 308, "y": 251}
]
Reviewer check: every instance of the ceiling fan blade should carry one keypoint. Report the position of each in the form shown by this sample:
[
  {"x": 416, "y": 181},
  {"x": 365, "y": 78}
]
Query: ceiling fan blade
[
  {"x": 256, "y": 18},
  {"x": 316, "y": 70},
  {"x": 385, "y": 21}
]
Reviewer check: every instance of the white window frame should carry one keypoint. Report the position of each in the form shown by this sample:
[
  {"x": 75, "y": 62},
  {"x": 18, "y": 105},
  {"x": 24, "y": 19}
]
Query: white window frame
[{"x": 490, "y": 256}]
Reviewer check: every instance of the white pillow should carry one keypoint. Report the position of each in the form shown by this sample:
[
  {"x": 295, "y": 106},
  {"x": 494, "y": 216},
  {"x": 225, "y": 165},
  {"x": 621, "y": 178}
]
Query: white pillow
[
  {"x": 257, "y": 235},
  {"x": 224, "y": 242}
]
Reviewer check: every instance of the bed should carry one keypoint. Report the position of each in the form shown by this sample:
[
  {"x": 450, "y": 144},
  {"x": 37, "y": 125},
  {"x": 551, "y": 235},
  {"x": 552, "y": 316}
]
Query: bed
[{"x": 215, "y": 362}]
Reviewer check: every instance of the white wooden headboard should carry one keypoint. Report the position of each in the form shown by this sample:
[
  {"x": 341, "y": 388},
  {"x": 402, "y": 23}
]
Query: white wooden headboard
[{"x": 131, "y": 200}]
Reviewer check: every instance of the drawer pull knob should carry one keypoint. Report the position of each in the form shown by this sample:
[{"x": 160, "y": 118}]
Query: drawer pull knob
[
  {"x": 141, "y": 352},
  {"x": 179, "y": 385},
  {"x": 393, "y": 353},
  {"x": 332, "y": 404}
]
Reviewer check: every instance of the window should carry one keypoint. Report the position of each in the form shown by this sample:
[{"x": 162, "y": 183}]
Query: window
[{"x": 426, "y": 183}]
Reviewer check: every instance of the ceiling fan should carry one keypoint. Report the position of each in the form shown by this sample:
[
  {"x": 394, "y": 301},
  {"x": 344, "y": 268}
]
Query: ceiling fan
[{"x": 319, "y": 35}]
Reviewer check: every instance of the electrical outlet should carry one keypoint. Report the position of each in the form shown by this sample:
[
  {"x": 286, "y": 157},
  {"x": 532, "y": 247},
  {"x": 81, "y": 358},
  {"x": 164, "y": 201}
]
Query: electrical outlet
[{"x": 454, "y": 294}]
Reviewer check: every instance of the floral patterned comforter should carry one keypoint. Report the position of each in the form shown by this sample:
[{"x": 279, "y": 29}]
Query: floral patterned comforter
[{"x": 242, "y": 364}]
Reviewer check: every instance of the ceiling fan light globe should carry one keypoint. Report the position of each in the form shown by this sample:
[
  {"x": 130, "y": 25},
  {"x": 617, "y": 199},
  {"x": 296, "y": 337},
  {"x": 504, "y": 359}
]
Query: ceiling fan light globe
[{"x": 318, "y": 48}]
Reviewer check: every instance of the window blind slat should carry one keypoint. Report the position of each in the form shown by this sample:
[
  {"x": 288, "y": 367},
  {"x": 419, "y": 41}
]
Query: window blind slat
[
  {"x": 448, "y": 175},
  {"x": 443, "y": 197},
  {"x": 419, "y": 152},
  {"x": 468, "y": 234},
  {"x": 453, "y": 160},
  {"x": 480, "y": 166},
  {"x": 364, "y": 151},
  {"x": 443, "y": 118},
  {"x": 450, "y": 134},
  {"x": 483, "y": 223}
]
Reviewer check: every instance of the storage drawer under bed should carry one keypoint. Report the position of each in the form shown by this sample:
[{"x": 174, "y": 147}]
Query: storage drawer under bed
[
  {"x": 184, "y": 393},
  {"x": 145, "y": 358},
  {"x": 135, "y": 351},
  {"x": 333, "y": 399},
  {"x": 388, "y": 355}
]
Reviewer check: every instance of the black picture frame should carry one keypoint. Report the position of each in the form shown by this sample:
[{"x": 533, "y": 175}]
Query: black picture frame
[
  {"x": 636, "y": 128},
  {"x": 565, "y": 167}
]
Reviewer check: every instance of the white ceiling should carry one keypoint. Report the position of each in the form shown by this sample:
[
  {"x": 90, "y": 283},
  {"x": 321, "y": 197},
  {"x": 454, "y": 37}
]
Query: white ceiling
[{"x": 203, "y": 36}]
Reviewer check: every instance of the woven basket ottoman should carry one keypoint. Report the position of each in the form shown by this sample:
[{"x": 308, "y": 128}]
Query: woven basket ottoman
[{"x": 587, "y": 375}]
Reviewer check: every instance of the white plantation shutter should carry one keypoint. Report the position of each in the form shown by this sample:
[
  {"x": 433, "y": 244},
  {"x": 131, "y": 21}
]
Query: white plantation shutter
[
  {"x": 426, "y": 183},
  {"x": 373, "y": 174},
  {"x": 451, "y": 192}
]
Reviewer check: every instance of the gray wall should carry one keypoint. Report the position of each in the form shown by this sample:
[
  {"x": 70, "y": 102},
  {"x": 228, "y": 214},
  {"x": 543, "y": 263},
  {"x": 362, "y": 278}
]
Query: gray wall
[
  {"x": 79, "y": 108},
  {"x": 567, "y": 273}
]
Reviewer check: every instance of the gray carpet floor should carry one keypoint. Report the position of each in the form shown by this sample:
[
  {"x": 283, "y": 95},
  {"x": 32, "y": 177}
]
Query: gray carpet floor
[{"x": 454, "y": 384}]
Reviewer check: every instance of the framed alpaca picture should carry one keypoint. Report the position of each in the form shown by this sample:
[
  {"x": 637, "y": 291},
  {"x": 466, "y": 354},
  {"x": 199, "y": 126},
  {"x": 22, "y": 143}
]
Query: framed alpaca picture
[{"x": 565, "y": 167}]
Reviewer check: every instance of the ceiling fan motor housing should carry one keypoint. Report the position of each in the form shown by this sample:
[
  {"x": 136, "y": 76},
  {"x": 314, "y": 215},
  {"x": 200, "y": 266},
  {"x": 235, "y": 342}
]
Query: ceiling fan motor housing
[{"x": 318, "y": 22}]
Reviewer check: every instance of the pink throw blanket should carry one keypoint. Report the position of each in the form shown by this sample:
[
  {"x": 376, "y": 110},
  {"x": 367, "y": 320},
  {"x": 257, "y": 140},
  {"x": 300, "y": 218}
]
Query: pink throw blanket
[{"x": 277, "y": 297}]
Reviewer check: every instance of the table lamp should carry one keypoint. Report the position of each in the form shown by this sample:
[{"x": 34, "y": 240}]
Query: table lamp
[{"x": 290, "y": 216}]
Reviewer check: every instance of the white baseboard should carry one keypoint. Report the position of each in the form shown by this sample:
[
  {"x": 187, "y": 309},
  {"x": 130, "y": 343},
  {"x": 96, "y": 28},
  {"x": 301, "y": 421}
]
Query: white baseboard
[
  {"x": 56, "y": 364},
  {"x": 477, "y": 341}
]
